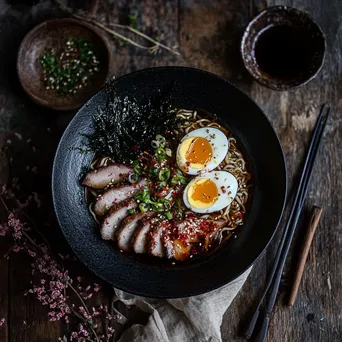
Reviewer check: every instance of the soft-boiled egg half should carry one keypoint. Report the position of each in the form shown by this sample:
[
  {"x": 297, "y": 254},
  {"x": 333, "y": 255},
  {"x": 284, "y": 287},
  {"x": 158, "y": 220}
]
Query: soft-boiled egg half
[
  {"x": 210, "y": 192},
  {"x": 202, "y": 149}
]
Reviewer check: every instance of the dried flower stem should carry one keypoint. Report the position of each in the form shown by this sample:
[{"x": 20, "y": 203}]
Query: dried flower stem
[
  {"x": 4, "y": 204},
  {"x": 152, "y": 49},
  {"x": 79, "y": 296},
  {"x": 68, "y": 283},
  {"x": 85, "y": 321},
  {"x": 143, "y": 35}
]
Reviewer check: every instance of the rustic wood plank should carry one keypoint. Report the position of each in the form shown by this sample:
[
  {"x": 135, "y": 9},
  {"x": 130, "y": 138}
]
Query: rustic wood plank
[
  {"x": 4, "y": 262},
  {"x": 156, "y": 18},
  {"x": 316, "y": 315},
  {"x": 208, "y": 34}
]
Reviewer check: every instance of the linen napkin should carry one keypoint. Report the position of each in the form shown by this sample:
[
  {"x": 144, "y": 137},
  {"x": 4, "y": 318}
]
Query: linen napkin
[{"x": 196, "y": 318}]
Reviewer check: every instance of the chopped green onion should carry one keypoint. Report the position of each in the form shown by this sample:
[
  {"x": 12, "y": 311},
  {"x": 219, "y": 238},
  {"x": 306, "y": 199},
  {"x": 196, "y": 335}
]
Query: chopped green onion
[
  {"x": 164, "y": 174},
  {"x": 143, "y": 207},
  {"x": 168, "y": 215},
  {"x": 136, "y": 168},
  {"x": 155, "y": 144},
  {"x": 143, "y": 196},
  {"x": 154, "y": 171},
  {"x": 133, "y": 178},
  {"x": 131, "y": 211},
  {"x": 178, "y": 179},
  {"x": 163, "y": 200},
  {"x": 160, "y": 154},
  {"x": 168, "y": 152},
  {"x": 157, "y": 205},
  {"x": 160, "y": 138}
]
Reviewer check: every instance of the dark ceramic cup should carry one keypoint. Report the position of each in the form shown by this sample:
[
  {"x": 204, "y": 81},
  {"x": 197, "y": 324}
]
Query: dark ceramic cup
[{"x": 282, "y": 48}]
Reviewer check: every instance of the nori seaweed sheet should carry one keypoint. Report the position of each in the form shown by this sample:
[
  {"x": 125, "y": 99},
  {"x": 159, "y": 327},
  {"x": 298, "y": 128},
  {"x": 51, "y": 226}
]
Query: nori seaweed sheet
[{"x": 123, "y": 128}]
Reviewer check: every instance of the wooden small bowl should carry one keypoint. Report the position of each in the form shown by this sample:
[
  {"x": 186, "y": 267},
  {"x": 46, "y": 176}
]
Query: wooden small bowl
[
  {"x": 276, "y": 16},
  {"x": 51, "y": 34}
]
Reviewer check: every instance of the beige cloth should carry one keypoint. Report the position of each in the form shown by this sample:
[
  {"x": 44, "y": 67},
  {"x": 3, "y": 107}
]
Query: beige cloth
[{"x": 192, "y": 319}]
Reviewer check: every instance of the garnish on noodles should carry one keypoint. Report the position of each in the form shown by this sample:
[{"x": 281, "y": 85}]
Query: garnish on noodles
[{"x": 182, "y": 195}]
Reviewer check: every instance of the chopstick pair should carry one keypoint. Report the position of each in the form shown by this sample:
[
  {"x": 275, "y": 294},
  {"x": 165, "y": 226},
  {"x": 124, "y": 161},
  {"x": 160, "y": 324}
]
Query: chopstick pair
[{"x": 283, "y": 249}]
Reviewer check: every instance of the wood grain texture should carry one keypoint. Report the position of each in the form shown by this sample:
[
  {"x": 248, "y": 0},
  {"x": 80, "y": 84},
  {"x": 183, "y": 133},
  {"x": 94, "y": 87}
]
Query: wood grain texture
[
  {"x": 207, "y": 34},
  {"x": 316, "y": 316},
  {"x": 4, "y": 260}
]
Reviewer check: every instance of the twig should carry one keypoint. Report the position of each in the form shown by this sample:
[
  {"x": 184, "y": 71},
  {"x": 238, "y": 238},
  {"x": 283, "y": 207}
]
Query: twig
[
  {"x": 137, "y": 32},
  {"x": 80, "y": 298},
  {"x": 4, "y": 204},
  {"x": 119, "y": 35},
  {"x": 85, "y": 307},
  {"x": 86, "y": 322},
  {"x": 31, "y": 240}
]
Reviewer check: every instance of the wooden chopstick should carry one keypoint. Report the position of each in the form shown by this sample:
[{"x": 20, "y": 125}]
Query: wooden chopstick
[
  {"x": 310, "y": 232},
  {"x": 296, "y": 207}
]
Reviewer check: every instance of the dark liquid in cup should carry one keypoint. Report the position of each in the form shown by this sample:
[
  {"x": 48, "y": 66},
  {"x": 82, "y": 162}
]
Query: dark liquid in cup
[{"x": 284, "y": 51}]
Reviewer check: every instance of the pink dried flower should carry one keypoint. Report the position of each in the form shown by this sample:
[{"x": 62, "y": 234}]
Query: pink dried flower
[
  {"x": 97, "y": 287},
  {"x": 55, "y": 283},
  {"x": 16, "y": 225},
  {"x": 4, "y": 229},
  {"x": 17, "y": 248}
]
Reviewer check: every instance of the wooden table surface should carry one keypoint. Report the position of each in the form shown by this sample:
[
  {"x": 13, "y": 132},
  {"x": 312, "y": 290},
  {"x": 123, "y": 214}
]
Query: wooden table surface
[{"x": 207, "y": 34}]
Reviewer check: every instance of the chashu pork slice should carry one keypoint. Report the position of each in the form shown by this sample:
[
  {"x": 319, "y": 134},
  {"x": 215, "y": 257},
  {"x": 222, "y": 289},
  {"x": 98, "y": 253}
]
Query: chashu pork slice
[
  {"x": 117, "y": 195},
  {"x": 127, "y": 229},
  {"x": 111, "y": 174},
  {"x": 140, "y": 238},
  {"x": 156, "y": 246},
  {"x": 115, "y": 216}
]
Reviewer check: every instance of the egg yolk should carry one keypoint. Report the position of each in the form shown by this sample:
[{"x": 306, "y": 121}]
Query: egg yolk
[
  {"x": 202, "y": 194},
  {"x": 199, "y": 151}
]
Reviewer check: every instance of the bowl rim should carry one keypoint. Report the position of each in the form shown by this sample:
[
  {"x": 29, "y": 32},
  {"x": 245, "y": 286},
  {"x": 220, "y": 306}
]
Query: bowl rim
[
  {"x": 246, "y": 34},
  {"x": 262, "y": 249},
  {"x": 35, "y": 29}
]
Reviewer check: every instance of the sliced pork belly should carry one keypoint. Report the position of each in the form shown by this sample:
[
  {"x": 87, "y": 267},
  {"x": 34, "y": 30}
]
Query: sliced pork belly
[
  {"x": 140, "y": 238},
  {"x": 111, "y": 174},
  {"x": 127, "y": 229},
  {"x": 113, "y": 219},
  {"x": 156, "y": 247},
  {"x": 117, "y": 195}
]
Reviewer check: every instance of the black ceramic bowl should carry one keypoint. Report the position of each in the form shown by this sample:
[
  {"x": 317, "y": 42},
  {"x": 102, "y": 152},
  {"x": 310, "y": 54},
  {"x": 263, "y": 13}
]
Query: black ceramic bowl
[
  {"x": 282, "y": 48},
  {"x": 193, "y": 89}
]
